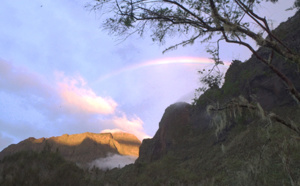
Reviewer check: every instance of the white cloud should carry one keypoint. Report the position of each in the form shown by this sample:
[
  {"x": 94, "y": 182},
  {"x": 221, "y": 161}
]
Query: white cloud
[
  {"x": 133, "y": 126},
  {"x": 77, "y": 96},
  {"x": 111, "y": 131},
  {"x": 38, "y": 107},
  {"x": 112, "y": 161}
]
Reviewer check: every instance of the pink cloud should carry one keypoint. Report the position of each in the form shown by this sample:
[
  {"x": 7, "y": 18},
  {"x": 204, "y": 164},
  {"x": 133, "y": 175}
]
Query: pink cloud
[
  {"x": 133, "y": 126},
  {"x": 61, "y": 103},
  {"x": 78, "y": 97}
]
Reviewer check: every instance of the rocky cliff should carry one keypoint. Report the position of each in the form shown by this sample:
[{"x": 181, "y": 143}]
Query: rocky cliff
[
  {"x": 172, "y": 126},
  {"x": 188, "y": 149},
  {"x": 80, "y": 148}
]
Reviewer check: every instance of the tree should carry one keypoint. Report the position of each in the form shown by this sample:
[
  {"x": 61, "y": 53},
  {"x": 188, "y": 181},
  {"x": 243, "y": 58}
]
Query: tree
[
  {"x": 296, "y": 4},
  {"x": 202, "y": 20}
]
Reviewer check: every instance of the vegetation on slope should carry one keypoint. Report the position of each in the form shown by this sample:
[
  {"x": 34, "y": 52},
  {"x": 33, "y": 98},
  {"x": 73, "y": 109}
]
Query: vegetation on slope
[
  {"x": 245, "y": 146},
  {"x": 44, "y": 168}
]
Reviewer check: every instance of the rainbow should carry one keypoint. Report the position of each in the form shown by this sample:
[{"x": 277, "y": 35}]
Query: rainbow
[{"x": 161, "y": 61}]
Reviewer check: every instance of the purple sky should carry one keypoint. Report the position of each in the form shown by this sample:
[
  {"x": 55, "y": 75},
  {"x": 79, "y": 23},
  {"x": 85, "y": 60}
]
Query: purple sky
[{"x": 61, "y": 73}]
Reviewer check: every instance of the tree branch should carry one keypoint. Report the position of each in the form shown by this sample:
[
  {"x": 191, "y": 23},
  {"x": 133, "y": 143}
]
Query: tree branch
[
  {"x": 285, "y": 79},
  {"x": 188, "y": 11},
  {"x": 254, "y": 17}
]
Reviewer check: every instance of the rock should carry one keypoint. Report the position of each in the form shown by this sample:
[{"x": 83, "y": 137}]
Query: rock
[
  {"x": 80, "y": 148},
  {"x": 172, "y": 128}
]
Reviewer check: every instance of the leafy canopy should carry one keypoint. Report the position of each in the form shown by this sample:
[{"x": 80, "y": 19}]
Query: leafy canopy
[
  {"x": 203, "y": 20},
  {"x": 194, "y": 18}
]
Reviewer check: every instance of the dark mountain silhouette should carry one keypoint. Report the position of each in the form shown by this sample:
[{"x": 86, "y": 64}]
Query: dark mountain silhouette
[{"x": 248, "y": 150}]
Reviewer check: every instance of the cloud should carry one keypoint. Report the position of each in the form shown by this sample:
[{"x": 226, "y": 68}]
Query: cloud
[
  {"x": 111, "y": 131},
  {"x": 133, "y": 126},
  {"x": 36, "y": 106},
  {"x": 70, "y": 92},
  {"x": 77, "y": 96},
  {"x": 112, "y": 161}
]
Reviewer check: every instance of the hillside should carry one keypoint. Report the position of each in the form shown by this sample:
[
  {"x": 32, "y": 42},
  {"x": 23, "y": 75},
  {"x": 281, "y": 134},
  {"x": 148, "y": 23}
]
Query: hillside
[
  {"x": 240, "y": 147},
  {"x": 80, "y": 148},
  {"x": 64, "y": 160},
  {"x": 31, "y": 168}
]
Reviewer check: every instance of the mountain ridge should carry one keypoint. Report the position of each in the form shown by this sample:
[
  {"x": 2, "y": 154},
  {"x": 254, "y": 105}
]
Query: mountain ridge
[
  {"x": 80, "y": 148},
  {"x": 246, "y": 149}
]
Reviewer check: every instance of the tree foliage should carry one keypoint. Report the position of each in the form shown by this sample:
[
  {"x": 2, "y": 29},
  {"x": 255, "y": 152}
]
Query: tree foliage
[
  {"x": 296, "y": 4},
  {"x": 201, "y": 20}
]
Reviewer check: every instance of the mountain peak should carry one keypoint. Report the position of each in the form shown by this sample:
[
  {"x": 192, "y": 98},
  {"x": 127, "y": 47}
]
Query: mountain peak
[{"x": 81, "y": 148}]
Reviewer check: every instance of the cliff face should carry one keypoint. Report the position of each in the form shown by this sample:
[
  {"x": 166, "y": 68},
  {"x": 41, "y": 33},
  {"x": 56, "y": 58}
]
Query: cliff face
[
  {"x": 256, "y": 82},
  {"x": 251, "y": 79},
  {"x": 250, "y": 151},
  {"x": 80, "y": 148},
  {"x": 172, "y": 128}
]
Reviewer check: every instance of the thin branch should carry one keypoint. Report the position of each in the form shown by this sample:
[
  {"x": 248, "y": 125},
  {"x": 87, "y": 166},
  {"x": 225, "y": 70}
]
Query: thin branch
[
  {"x": 285, "y": 79},
  {"x": 254, "y": 17},
  {"x": 188, "y": 11},
  {"x": 183, "y": 43}
]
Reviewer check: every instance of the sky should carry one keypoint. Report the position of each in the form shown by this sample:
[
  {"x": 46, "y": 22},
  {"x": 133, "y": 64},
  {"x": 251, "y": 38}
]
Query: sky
[{"x": 61, "y": 73}]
